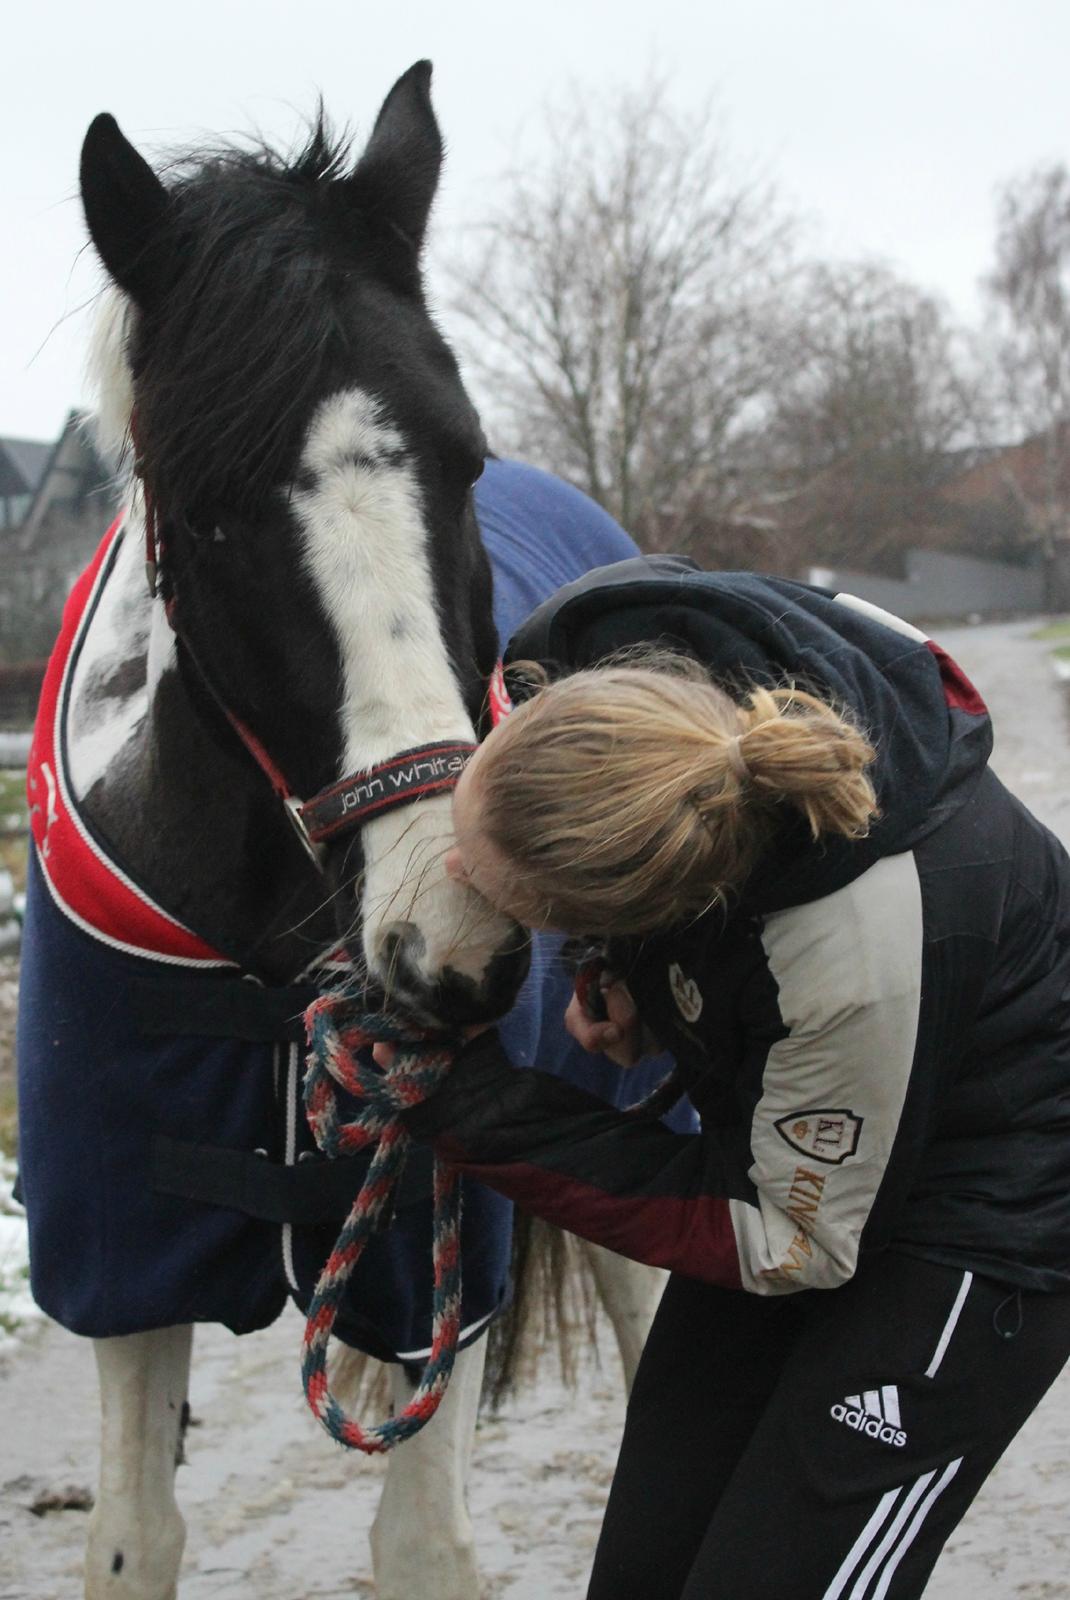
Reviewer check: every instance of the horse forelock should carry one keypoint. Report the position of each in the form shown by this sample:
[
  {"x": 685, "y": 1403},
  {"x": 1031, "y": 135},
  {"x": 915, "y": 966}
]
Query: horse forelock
[{"x": 231, "y": 363}]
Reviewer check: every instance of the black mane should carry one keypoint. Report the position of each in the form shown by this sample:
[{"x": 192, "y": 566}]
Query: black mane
[{"x": 240, "y": 346}]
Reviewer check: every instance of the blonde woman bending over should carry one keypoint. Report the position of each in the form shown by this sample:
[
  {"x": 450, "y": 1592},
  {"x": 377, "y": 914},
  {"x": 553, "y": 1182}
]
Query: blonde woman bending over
[{"x": 809, "y": 887}]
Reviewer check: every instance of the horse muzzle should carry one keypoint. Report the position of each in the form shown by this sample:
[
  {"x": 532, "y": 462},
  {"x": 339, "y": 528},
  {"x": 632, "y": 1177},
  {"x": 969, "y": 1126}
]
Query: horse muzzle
[
  {"x": 432, "y": 947},
  {"x": 450, "y": 996}
]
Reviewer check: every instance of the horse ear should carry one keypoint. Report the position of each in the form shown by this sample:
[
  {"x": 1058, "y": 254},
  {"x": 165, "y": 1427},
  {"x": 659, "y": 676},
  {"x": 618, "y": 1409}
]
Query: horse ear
[
  {"x": 394, "y": 181},
  {"x": 125, "y": 205}
]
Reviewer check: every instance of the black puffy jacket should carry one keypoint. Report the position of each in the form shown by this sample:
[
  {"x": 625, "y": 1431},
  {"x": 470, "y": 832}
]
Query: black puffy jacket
[{"x": 877, "y": 1037}]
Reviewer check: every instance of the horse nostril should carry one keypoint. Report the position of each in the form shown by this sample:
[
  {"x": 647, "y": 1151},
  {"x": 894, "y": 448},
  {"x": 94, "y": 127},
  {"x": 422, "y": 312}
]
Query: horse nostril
[{"x": 400, "y": 941}]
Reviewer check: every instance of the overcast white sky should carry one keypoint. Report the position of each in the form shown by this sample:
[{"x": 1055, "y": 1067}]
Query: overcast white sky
[{"x": 888, "y": 125}]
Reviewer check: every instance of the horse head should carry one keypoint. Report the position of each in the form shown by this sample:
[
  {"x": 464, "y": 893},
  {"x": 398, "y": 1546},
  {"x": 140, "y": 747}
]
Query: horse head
[{"x": 305, "y": 453}]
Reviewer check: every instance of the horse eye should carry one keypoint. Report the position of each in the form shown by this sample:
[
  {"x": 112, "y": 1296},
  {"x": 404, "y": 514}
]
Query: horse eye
[
  {"x": 462, "y": 467},
  {"x": 201, "y": 531},
  {"x": 460, "y": 473}
]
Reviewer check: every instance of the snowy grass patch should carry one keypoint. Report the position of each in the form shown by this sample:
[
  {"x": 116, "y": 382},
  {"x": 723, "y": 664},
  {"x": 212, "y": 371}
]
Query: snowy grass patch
[
  {"x": 1057, "y": 634},
  {"x": 1054, "y": 632},
  {"x": 16, "y": 1307}
]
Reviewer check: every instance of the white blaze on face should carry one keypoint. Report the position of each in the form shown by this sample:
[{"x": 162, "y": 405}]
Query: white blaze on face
[{"x": 366, "y": 547}]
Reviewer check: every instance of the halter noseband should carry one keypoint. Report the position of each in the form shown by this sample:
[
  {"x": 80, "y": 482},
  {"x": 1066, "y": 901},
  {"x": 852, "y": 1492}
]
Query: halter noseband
[
  {"x": 346, "y": 805},
  {"x": 410, "y": 775}
]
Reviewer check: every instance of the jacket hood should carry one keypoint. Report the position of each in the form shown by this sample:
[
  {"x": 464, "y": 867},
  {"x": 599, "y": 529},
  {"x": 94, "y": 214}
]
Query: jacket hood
[{"x": 929, "y": 726}]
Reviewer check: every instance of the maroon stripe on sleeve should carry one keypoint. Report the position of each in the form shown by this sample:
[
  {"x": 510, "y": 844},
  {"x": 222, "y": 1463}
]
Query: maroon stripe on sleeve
[{"x": 689, "y": 1234}]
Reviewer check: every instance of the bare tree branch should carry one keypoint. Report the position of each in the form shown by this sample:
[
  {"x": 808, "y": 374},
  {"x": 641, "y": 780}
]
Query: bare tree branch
[
  {"x": 618, "y": 309},
  {"x": 873, "y": 402},
  {"x": 1029, "y": 291}
]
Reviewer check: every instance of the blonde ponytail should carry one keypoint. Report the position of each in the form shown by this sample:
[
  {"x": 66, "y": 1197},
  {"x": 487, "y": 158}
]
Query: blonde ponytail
[
  {"x": 629, "y": 797},
  {"x": 797, "y": 747}
]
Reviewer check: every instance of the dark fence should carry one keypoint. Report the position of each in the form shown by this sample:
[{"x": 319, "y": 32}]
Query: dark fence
[
  {"x": 20, "y": 690},
  {"x": 941, "y": 586}
]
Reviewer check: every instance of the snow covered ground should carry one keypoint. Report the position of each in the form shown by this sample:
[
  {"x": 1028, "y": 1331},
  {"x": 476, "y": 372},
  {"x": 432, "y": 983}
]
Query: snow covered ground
[
  {"x": 274, "y": 1509},
  {"x": 17, "y": 1310}
]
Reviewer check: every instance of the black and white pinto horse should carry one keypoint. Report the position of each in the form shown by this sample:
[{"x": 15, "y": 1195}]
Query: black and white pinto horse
[{"x": 319, "y": 600}]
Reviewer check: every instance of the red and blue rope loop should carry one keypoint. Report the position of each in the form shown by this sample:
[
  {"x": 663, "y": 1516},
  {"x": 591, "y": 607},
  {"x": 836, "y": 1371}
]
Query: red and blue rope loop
[{"x": 340, "y": 1037}]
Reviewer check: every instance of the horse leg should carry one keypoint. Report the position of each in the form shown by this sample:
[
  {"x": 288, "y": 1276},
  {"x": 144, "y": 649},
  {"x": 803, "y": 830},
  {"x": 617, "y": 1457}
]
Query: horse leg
[
  {"x": 136, "y": 1532},
  {"x": 421, "y": 1539},
  {"x": 629, "y": 1293}
]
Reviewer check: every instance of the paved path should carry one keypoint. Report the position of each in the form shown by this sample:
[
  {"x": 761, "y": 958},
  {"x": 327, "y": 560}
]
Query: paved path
[
  {"x": 1015, "y": 1542},
  {"x": 1030, "y": 713},
  {"x": 274, "y": 1508},
  {"x": 276, "y": 1511}
]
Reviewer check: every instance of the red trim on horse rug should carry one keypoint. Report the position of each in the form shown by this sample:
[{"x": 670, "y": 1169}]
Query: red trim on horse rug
[{"x": 87, "y": 885}]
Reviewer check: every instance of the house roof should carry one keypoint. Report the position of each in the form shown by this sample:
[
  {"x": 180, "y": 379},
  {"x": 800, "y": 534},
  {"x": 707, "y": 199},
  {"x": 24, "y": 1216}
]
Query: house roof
[
  {"x": 22, "y": 464},
  {"x": 74, "y": 487}
]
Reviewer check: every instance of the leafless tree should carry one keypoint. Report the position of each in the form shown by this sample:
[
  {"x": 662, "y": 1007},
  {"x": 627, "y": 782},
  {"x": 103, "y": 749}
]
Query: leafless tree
[
  {"x": 1029, "y": 291},
  {"x": 619, "y": 310},
  {"x": 872, "y": 403}
]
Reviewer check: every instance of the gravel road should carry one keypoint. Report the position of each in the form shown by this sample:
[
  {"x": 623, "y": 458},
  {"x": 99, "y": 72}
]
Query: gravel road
[{"x": 274, "y": 1509}]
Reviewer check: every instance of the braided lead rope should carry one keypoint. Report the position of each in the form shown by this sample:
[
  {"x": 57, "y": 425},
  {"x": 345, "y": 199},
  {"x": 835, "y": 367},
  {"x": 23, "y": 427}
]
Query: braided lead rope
[{"x": 337, "y": 1034}]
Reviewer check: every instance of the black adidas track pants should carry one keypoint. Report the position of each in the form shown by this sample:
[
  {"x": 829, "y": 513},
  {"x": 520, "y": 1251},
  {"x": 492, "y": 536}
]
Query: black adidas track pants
[{"x": 820, "y": 1446}]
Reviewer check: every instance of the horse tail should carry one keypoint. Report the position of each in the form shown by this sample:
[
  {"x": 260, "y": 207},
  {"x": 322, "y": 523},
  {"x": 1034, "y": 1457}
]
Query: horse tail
[
  {"x": 359, "y": 1382},
  {"x": 554, "y": 1304}
]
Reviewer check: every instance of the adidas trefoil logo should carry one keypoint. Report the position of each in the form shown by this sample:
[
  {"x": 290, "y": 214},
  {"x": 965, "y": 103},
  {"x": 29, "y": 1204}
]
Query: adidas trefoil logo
[{"x": 875, "y": 1412}]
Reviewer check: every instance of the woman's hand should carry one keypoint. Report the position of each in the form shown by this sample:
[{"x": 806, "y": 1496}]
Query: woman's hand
[{"x": 621, "y": 1037}]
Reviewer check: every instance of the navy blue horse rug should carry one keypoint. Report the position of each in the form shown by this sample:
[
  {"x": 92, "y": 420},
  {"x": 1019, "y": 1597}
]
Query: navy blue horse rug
[{"x": 167, "y": 1169}]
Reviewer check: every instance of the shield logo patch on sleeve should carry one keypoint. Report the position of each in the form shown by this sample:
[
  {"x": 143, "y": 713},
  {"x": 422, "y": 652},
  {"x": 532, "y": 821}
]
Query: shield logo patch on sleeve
[{"x": 823, "y": 1134}]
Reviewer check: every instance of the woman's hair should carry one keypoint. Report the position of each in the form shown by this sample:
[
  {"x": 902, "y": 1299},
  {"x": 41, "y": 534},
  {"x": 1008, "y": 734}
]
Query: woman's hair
[{"x": 633, "y": 796}]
